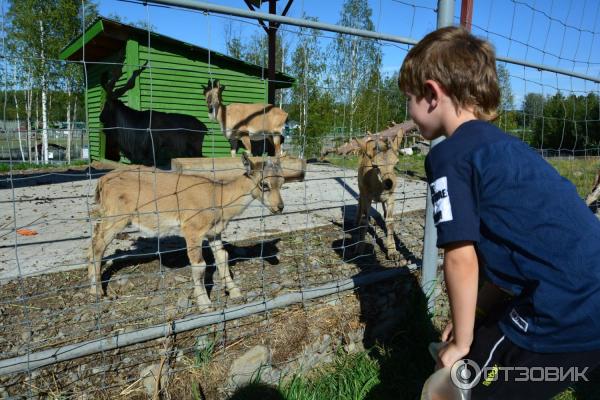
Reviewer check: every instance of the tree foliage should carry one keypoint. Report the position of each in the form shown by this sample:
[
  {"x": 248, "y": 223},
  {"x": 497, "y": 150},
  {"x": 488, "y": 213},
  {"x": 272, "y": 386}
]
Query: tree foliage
[
  {"x": 507, "y": 117},
  {"x": 357, "y": 64},
  {"x": 312, "y": 103},
  {"x": 565, "y": 122},
  {"x": 36, "y": 32},
  {"x": 58, "y": 21}
]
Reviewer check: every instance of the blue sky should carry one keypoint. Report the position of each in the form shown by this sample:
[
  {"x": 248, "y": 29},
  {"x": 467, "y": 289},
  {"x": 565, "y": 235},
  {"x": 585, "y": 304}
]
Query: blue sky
[{"x": 560, "y": 33}]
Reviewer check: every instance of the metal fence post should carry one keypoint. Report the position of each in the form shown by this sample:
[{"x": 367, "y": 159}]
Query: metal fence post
[{"x": 445, "y": 17}]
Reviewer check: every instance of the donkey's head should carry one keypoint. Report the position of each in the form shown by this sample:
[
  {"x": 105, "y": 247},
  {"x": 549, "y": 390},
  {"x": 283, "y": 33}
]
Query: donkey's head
[
  {"x": 268, "y": 179},
  {"x": 213, "y": 93},
  {"x": 112, "y": 103},
  {"x": 378, "y": 159}
]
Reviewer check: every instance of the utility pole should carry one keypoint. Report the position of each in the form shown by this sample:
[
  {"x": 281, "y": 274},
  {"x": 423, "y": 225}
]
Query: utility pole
[{"x": 271, "y": 30}]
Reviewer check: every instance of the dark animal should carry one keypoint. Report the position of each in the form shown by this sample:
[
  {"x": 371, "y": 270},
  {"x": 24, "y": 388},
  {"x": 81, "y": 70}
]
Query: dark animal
[{"x": 147, "y": 137}]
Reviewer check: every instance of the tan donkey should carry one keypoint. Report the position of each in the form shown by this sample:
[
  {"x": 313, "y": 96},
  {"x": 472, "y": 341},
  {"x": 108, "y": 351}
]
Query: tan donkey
[
  {"x": 245, "y": 122},
  {"x": 378, "y": 156},
  {"x": 162, "y": 203}
]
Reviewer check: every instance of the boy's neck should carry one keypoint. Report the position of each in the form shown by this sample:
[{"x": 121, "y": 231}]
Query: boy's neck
[
  {"x": 454, "y": 123},
  {"x": 455, "y": 118}
]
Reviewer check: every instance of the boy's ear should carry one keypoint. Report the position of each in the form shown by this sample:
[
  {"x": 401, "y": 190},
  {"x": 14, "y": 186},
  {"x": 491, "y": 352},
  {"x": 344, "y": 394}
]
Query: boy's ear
[{"x": 433, "y": 91}]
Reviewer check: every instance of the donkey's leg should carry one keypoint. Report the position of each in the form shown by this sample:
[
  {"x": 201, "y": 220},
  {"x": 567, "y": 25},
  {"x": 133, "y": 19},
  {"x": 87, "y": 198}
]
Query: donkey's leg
[
  {"x": 233, "y": 142},
  {"x": 222, "y": 260},
  {"x": 104, "y": 233},
  {"x": 276, "y": 139},
  {"x": 362, "y": 222},
  {"x": 388, "y": 212},
  {"x": 247, "y": 143},
  {"x": 193, "y": 242}
]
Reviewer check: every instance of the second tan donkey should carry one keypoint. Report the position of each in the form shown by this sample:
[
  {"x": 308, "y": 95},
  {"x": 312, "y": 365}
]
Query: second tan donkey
[
  {"x": 162, "y": 203},
  {"x": 246, "y": 122},
  {"x": 377, "y": 158}
]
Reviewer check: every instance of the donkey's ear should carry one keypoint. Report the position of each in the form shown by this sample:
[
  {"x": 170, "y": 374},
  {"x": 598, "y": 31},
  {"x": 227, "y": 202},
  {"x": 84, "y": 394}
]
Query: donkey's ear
[
  {"x": 396, "y": 141},
  {"x": 362, "y": 144},
  {"x": 221, "y": 88},
  {"x": 104, "y": 80},
  {"x": 204, "y": 89}
]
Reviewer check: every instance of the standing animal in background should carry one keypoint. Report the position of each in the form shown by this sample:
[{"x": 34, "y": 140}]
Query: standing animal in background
[
  {"x": 378, "y": 156},
  {"x": 172, "y": 135},
  {"x": 163, "y": 203},
  {"x": 594, "y": 194},
  {"x": 245, "y": 122}
]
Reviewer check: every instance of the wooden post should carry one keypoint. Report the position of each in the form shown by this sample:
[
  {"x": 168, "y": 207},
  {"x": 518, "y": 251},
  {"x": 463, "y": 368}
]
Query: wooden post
[{"x": 466, "y": 14}]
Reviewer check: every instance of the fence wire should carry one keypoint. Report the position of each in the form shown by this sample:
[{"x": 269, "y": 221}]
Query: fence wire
[{"x": 312, "y": 280}]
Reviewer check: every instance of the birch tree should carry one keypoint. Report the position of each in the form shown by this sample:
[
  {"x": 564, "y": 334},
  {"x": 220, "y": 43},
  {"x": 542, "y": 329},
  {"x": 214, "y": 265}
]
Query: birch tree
[
  {"x": 312, "y": 105},
  {"x": 37, "y": 31},
  {"x": 17, "y": 115},
  {"x": 357, "y": 59}
]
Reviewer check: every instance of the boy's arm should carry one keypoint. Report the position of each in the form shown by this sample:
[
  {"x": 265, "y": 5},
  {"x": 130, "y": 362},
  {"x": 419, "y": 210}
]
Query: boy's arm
[{"x": 461, "y": 272}]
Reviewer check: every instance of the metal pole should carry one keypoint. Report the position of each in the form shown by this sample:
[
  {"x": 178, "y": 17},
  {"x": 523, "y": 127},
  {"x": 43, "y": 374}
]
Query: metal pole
[
  {"x": 209, "y": 7},
  {"x": 430, "y": 252}
]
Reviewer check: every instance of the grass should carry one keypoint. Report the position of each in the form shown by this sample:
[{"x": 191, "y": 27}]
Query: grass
[
  {"x": 6, "y": 167},
  {"x": 348, "y": 377},
  {"x": 203, "y": 355},
  {"x": 580, "y": 171}
]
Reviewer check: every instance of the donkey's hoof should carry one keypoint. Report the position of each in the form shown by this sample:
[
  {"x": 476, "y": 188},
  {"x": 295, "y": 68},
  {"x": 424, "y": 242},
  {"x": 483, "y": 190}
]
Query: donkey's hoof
[
  {"x": 393, "y": 255},
  {"x": 235, "y": 293},
  {"x": 94, "y": 292},
  {"x": 204, "y": 308}
]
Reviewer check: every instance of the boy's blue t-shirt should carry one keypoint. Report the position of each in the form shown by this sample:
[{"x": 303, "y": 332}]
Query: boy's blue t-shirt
[{"x": 533, "y": 233}]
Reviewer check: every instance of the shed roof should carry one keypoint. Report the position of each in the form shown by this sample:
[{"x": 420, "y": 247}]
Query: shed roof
[{"x": 105, "y": 37}]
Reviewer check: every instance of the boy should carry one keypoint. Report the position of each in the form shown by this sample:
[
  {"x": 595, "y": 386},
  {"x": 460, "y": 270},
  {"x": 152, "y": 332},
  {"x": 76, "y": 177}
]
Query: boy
[{"x": 500, "y": 207}]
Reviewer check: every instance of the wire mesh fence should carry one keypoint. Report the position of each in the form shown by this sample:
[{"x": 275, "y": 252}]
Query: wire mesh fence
[
  {"x": 20, "y": 145},
  {"x": 212, "y": 262}
]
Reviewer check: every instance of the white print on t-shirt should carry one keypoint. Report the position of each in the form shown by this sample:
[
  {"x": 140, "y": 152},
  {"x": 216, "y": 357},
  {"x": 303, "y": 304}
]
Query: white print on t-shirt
[
  {"x": 518, "y": 320},
  {"x": 442, "y": 211}
]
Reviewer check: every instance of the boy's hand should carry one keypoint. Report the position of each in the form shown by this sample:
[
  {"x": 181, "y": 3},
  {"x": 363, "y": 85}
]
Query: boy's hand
[
  {"x": 448, "y": 333},
  {"x": 449, "y": 354}
]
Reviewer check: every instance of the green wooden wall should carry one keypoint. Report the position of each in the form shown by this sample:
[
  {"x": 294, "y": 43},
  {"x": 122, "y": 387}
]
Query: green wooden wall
[
  {"x": 95, "y": 101},
  {"x": 174, "y": 84}
]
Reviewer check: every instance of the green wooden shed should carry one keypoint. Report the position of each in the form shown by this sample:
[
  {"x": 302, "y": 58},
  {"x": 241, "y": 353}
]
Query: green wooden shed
[{"x": 172, "y": 84}]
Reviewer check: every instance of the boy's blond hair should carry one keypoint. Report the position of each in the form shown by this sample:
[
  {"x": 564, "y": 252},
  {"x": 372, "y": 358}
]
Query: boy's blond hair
[{"x": 462, "y": 64}]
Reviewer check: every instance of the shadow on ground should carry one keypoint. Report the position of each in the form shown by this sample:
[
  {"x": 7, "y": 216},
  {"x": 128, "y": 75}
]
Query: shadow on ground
[
  {"x": 27, "y": 179},
  {"x": 173, "y": 255},
  {"x": 399, "y": 336}
]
